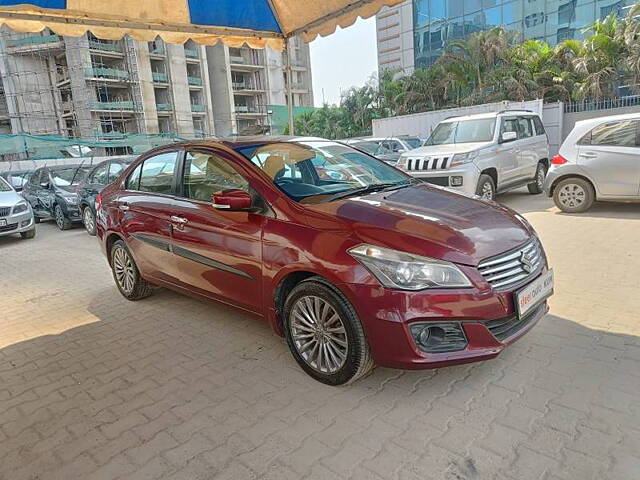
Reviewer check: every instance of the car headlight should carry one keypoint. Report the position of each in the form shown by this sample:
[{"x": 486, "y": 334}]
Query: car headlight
[
  {"x": 20, "y": 207},
  {"x": 402, "y": 163},
  {"x": 406, "y": 271},
  {"x": 462, "y": 158},
  {"x": 70, "y": 199}
]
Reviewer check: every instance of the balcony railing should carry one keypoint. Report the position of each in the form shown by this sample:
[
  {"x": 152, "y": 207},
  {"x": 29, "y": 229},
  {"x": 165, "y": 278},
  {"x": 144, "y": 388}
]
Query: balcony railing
[
  {"x": 106, "y": 46},
  {"x": 157, "y": 50},
  {"x": 164, "y": 107},
  {"x": 298, "y": 86},
  {"x": 126, "y": 105},
  {"x": 34, "y": 40},
  {"x": 104, "y": 72},
  {"x": 236, "y": 59},
  {"x": 160, "y": 77},
  {"x": 250, "y": 109},
  {"x": 191, "y": 53},
  {"x": 195, "y": 107},
  {"x": 197, "y": 81}
]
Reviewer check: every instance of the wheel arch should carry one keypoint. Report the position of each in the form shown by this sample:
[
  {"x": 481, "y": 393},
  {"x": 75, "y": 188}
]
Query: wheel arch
[
  {"x": 572, "y": 175},
  {"x": 493, "y": 173},
  {"x": 111, "y": 238}
]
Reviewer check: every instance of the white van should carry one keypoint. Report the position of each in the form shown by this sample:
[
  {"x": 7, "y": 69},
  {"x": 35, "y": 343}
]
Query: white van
[{"x": 483, "y": 154}]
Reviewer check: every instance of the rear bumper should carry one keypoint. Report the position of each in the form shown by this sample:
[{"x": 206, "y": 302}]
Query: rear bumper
[{"x": 488, "y": 320}]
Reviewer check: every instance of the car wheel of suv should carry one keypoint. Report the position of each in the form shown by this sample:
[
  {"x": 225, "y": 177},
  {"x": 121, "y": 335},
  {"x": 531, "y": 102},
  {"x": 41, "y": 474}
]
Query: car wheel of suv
[
  {"x": 324, "y": 333},
  {"x": 28, "y": 234},
  {"x": 573, "y": 195},
  {"x": 126, "y": 274},
  {"x": 89, "y": 220},
  {"x": 63, "y": 222},
  {"x": 486, "y": 187},
  {"x": 537, "y": 186}
]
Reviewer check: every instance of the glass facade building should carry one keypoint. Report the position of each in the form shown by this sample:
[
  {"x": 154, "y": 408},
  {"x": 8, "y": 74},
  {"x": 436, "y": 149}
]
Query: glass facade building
[{"x": 437, "y": 22}]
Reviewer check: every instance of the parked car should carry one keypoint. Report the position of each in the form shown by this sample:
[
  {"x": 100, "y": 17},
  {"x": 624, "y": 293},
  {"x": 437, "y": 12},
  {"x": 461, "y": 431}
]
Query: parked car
[
  {"x": 96, "y": 179},
  {"x": 599, "y": 160},
  {"x": 52, "y": 193},
  {"x": 16, "y": 215},
  {"x": 377, "y": 150},
  {"x": 483, "y": 154},
  {"x": 395, "y": 272},
  {"x": 17, "y": 178}
]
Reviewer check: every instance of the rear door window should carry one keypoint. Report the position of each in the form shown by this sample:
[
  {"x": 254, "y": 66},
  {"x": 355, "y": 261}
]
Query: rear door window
[
  {"x": 616, "y": 134},
  {"x": 539, "y": 127},
  {"x": 157, "y": 173},
  {"x": 99, "y": 175}
]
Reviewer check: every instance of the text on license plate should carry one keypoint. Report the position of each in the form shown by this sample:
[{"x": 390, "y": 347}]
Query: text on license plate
[{"x": 534, "y": 293}]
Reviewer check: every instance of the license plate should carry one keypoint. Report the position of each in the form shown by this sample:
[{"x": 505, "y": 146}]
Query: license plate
[
  {"x": 3, "y": 222},
  {"x": 534, "y": 294}
]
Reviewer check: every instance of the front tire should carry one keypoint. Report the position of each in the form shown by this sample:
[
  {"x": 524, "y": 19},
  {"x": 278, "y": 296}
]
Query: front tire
[
  {"x": 486, "y": 189},
  {"x": 574, "y": 195},
  {"x": 28, "y": 234},
  {"x": 541, "y": 173},
  {"x": 324, "y": 333},
  {"x": 61, "y": 220},
  {"x": 89, "y": 220},
  {"x": 126, "y": 274}
]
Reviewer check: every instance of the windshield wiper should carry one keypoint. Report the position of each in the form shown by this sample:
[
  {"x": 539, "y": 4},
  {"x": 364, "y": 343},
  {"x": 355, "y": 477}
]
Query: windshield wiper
[{"x": 376, "y": 187}]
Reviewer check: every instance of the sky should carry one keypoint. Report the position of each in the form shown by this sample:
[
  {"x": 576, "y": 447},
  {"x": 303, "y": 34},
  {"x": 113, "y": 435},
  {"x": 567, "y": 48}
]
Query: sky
[{"x": 342, "y": 60}]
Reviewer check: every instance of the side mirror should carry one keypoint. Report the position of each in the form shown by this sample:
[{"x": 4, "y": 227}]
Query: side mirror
[
  {"x": 45, "y": 185},
  {"x": 400, "y": 150},
  {"x": 232, "y": 200},
  {"x": 508, "y": 137}
]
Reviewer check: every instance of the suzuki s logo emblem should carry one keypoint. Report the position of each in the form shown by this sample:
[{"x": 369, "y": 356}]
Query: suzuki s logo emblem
[{"x": 527, "y": 262}]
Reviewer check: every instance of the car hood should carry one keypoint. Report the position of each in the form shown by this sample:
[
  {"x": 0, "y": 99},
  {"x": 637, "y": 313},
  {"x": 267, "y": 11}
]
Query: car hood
[
  {"x": 427, "y": 221},
  {"x": 9, "y": 199},
  {"x": 451, "y": 148}
]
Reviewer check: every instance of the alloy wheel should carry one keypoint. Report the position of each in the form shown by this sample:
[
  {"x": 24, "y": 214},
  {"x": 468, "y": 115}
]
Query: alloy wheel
[
  {"x": 318, "y": 334},
  {"x": 59, "y": 217},
  {"x": 89, "y": 221},
  {"x": 124, "y": 269},
  {"x": 487, "y": 191},
  {"x": 571, "y": 195}
]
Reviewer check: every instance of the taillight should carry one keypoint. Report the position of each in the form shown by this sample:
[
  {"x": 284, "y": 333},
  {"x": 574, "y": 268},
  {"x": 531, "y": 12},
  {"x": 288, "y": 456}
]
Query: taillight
[
  {"x": 558, "y": 160},
  {"x": 98, "y": 201}
]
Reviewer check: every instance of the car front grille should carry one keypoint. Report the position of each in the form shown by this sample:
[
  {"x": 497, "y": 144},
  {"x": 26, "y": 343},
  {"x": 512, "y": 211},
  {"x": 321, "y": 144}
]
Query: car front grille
[
  {"x": 428, "y": 163},
  {"x": 4, "y": 211},
  {"x": 504, "y": 328},
  {"x": 442, "y": 181},
  {"x": 513, "y": 267},
  {"x": 8, "y": 228}
]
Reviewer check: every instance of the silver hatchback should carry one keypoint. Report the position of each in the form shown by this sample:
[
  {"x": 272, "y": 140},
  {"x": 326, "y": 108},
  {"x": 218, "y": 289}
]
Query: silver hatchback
[
  {"x": 599, "y": 160},
  {"x": 16, "y": 215}
]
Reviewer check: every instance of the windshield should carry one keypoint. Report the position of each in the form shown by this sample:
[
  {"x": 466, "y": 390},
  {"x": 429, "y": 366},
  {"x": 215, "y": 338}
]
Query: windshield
[
  {"x": 318, "y": 171},
  {"x": 467, "y": 131},
  {"x": 4, "y": 186},
  {"x": 413, "y": 142},
  {"x": 68, "y": 176}
]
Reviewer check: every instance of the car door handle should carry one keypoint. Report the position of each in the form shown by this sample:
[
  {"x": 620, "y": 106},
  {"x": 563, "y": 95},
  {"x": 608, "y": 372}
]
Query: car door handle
[
  {"x": 588, "y": 155},
  {"x": 179, "y": 220}
]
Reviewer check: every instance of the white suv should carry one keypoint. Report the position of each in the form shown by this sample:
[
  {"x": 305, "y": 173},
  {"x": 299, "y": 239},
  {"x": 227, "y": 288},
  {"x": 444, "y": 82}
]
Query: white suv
[{"x": 483, "y": 154}]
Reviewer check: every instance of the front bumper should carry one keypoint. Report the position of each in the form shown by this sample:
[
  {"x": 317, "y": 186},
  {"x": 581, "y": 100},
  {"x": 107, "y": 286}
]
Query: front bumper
[
  {"x": 487, "y": 318},
  {"x": 22, "y": 222},
  {"x": 468, "y": 173}
]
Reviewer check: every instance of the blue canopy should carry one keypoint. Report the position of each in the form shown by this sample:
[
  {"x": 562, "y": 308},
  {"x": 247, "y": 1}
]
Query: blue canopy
[{"x": 235, "y": 22}]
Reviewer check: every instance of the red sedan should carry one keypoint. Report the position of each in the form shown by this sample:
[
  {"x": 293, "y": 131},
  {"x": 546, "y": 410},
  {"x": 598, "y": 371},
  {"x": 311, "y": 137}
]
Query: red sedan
[{"x": 370, "y": 268}]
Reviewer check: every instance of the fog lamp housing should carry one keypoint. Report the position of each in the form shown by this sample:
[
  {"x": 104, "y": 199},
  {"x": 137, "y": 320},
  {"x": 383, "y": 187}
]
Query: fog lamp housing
[
  {"x": 433, "y": 337},
  {"x": 456, "y": 181},
  {"x": 25, "y": 223}
]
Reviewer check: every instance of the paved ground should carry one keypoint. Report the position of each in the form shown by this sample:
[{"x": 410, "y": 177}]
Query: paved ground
[{"x": 94, "y": 387}]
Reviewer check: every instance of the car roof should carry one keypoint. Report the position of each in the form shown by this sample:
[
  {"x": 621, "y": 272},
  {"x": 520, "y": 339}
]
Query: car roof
[{"x": 479, "y": 116}]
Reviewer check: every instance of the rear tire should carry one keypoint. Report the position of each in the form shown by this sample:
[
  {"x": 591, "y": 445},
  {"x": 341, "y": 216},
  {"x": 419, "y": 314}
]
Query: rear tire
[
  {"x": 574, "y": 195},
  {"x": 126, "y": 274},
  {"x": 486, "y": 187},
  {"x": 324, "y": 333},
  {"x": 28, "y": 234},
  {"x": 89, "y": 220},
  {"x": 541, "y": 173},
  {"x": 63, "y": 222}
]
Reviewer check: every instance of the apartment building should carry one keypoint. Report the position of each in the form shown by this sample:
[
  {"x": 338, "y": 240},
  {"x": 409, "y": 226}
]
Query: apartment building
[{"x": 90, "y": 88}]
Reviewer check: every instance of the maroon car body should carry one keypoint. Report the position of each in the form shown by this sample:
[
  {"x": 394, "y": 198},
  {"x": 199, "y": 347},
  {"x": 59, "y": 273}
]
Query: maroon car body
[{"x": 253, "y": 260}]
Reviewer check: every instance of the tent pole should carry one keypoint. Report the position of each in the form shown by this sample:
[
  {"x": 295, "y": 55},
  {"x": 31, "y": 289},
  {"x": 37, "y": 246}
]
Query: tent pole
[{"x": 288, "y": 86}]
